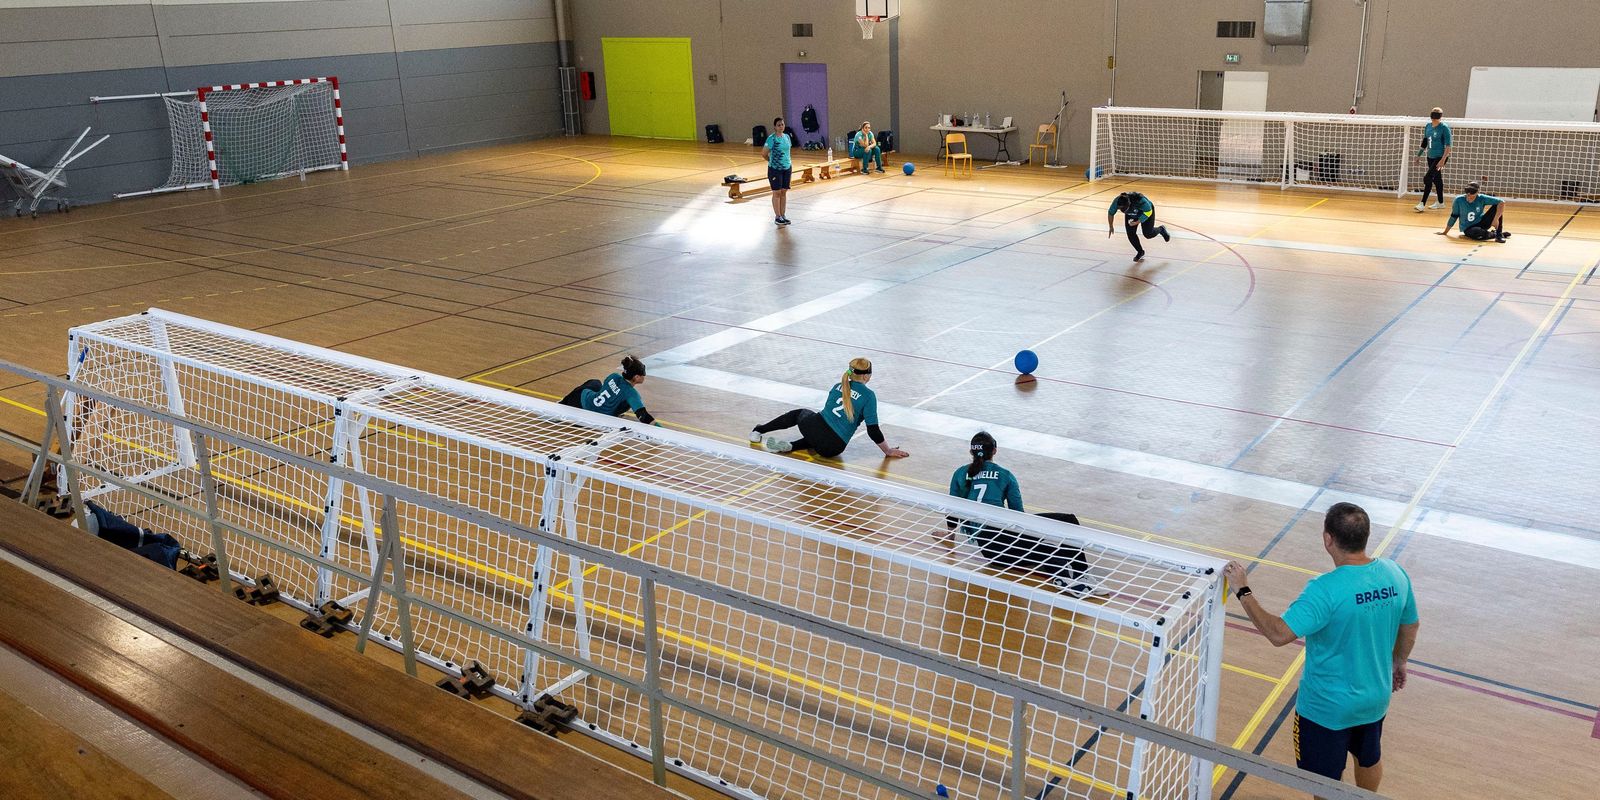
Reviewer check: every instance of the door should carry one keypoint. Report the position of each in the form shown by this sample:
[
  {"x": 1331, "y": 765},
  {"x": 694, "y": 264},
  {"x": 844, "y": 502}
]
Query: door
[
  {"x": 650, "y": 87},
  {"x": 1241, "y": 145},
  {"x": 806, "y": 85}
]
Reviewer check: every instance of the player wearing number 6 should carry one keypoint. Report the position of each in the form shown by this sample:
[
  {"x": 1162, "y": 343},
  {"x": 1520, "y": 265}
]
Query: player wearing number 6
[
  {"x": 1139, "y": 214},
  {"x": 1482, "y": 216},
  {"x": 614, "y": 395},
  {"x": 850, "y": 403}
]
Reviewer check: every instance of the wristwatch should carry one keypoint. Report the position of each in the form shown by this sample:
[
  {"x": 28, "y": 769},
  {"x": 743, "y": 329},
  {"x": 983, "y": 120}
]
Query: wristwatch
[{"x": 1244, "y": 591}]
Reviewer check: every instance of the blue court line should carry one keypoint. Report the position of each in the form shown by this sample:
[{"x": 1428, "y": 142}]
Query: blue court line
[
  {"x": 1550, "y": 240},
  {"x": 1352, "y": 357},
  {"x": 1294, "y": 520},
  {"x": 1261, "y": 746},
  {"x": 1532, "y": 357},
  {"x": 1502, "y": 684},
  {"x": 1479, "y": 318}
]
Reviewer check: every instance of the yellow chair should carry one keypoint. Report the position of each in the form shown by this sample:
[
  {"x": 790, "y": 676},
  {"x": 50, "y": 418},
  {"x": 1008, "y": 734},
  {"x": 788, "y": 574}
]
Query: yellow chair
[
  {"x": 1045, "y": 139},
  {"x": 952, "y": 159}
]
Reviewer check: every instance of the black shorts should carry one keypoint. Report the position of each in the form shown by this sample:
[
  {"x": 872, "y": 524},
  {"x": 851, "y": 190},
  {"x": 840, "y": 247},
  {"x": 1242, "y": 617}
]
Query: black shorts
[
  {"x": 778, "y": 178},
  {"x": 574, "y": 398},
  {"x": 819, "y": 436},
  {"x": 1324, "y": 750}
]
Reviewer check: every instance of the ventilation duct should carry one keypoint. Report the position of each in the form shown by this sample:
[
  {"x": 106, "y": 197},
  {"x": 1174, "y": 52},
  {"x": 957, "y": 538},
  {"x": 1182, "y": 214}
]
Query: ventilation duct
[{"x": 1288, "y": 22}]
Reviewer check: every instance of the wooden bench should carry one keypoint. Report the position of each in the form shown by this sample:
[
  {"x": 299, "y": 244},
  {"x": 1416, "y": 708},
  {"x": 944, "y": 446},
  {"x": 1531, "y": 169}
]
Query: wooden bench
[
  {"x": 46, "y": 761},
  {"x": 474, "y": 741},
  {"x": 803, "y": 173}
]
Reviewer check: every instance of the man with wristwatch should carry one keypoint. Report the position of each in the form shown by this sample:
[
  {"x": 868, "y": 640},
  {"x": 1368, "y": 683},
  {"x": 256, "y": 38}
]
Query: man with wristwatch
[{"x": 1359, "y": 622}]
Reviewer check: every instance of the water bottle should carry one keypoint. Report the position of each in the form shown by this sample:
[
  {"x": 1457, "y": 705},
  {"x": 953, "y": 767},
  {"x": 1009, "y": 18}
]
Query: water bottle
[
  {"x": 986, "y": 120},
  {"x": 830, "y": 152}
]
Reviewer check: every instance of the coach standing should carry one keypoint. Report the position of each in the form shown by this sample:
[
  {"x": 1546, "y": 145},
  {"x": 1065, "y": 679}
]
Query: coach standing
[{"x": 1359, "y": 622}]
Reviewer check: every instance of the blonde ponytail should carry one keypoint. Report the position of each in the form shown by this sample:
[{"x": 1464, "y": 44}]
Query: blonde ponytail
[{"x": 858, "y": 366}]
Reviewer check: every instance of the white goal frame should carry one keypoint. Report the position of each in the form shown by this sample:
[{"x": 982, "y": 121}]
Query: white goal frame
[
  {"x": 1174, "y": 631},
  {"x": 1556, "y": 162}
]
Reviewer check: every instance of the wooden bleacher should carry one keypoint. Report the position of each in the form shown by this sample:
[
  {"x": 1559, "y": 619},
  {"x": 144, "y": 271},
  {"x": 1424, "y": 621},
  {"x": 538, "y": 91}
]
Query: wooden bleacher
[
  {"x": 58, "y": 762},
  {"x": 265, "y": 743}
]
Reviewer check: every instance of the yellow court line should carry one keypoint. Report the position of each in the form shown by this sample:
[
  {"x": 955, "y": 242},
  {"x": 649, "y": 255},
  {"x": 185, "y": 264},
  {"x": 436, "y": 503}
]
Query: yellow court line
[
  {"x": 24, "y": 406},
  {"x": 1261, "y": 711}
]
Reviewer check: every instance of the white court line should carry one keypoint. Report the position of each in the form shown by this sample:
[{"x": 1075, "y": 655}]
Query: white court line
[
  {"x": 700, "y": 348},
  {"x": 1549, "y": 545}
]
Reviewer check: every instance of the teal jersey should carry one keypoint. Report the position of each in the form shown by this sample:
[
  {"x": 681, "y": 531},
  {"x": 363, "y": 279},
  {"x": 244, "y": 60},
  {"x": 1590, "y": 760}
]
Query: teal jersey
[
  {"x": 1469, "y": 213},
  {"x": 859, "y": 141},
  {"x": 1435, "y": 138},
  {"x": 993, "y": 484},
  {"x": 1144, "y": 211},
  {"x": 616, "y": 395},
  {"x": 862, "y": 401},
  {"x": 1349, "y": 618},
  {"x": 778, "y": 151}
]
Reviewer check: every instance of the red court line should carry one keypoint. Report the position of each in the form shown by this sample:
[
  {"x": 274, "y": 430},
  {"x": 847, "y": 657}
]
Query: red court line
[
  {"x": 1065, "y": 382},
  {"x": 1596, "y": 732}
]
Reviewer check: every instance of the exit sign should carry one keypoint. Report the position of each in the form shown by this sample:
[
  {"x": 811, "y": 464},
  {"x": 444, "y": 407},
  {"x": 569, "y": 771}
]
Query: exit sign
[{"x": 1230, "y": 58}]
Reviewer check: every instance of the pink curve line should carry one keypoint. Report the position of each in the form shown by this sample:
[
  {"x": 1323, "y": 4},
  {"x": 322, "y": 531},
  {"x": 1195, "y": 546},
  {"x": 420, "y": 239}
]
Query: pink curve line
[{"x": 1251, "y": 271}]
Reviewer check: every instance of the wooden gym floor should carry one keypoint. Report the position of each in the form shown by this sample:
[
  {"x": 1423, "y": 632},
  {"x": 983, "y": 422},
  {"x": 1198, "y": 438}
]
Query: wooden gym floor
[{"x": 1285, "y": 351}]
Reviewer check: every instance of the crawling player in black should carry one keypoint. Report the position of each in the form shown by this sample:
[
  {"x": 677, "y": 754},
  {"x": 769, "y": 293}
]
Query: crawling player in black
[{"x": 1139, "y": 214}]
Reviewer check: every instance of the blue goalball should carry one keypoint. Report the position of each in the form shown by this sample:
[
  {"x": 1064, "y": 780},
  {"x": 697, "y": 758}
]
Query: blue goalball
[
  {"x": 1094, "y": 172},
  {"x": 908, "y": 168},
  {"x": 1026, "y": 362}
]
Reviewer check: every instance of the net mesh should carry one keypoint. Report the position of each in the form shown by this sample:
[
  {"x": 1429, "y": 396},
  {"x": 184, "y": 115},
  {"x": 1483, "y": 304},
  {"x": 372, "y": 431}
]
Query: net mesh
[
  {"x": 859, "y": 554},
  {"x": 868, "y": 24},
  {"x": 259, "y": 133},
  {"x": 1523, "y": 160}
]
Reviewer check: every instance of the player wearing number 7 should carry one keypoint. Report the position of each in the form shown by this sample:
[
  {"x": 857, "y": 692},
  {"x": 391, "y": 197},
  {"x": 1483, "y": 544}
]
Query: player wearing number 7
[
  {"x": 826, "y": 433},
  {"x": 1139, "y": 213}
]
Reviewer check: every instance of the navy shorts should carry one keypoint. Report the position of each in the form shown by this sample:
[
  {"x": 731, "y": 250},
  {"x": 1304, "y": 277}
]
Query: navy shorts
[
  {"x": 778, "y": 178},
  {"x": 1324, "y": 750}
]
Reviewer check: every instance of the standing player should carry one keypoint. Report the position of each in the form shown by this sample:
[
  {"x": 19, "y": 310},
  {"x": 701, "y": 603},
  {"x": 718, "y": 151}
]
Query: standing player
[
  {"x": 779, "y": 169},
  {"x": 984, "y": 481},
  {"x": 1436, "y": 146},
  {"x": 614, "y": 395},
  {"x": 1139, "y": 213},
  {"x": 850, "y": 403},
  {"x": 1482, "y": 216}
]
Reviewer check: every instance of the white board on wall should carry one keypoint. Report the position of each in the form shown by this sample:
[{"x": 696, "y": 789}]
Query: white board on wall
[{"x": 1559, "y": 94}]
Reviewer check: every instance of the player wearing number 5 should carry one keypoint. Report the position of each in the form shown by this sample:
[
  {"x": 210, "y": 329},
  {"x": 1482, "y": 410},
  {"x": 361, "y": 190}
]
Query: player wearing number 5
[
  {"x": 1139, "y": 214},
  {"x": 849, "y": 404},
  {"x": 614, "y": 395}
]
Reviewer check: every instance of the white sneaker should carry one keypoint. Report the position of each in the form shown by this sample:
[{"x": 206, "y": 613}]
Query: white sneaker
[
  {"x": 1436, "y": 205},
  {"x": 755, "y": 438},
  {"x": 773, "y": 444},
  {"x": 1420, "y": 207}
]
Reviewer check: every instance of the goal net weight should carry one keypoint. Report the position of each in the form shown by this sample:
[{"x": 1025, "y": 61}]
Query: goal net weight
[
  {"x": 248, "y": 132},
  {"x": 1519, "y": 159}
]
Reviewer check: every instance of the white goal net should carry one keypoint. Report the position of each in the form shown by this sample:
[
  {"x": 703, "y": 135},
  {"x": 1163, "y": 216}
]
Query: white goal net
[
  {"x": 243, "y": 133},
  {"x": 854, "y": 553},
  {"x": 1525, "y": 160}
]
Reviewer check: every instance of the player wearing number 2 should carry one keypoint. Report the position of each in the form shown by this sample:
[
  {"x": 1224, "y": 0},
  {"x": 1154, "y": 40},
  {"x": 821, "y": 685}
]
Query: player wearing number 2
[{"x": 850, "y": 403}]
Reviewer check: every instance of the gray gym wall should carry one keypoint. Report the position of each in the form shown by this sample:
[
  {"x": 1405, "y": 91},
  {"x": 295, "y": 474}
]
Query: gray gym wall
[
  {"x": 415, "y": 75},
  {"x": 1014, "y": 57}
]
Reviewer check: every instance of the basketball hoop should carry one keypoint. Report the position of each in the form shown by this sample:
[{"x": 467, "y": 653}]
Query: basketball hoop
[{"x": 867, "y": 24}]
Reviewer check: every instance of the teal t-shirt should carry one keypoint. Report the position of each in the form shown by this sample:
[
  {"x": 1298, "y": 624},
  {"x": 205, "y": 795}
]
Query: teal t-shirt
[
  {"x": 778, "y": 151},
  {"x": 1144, "y": 211},
  {"x": 993, "y": 484},
  {"x": 1469, "y": 213},
  {"x": 1435, "y": 139},
  {"x": 1349, "y": 618},
  {"x": 862, "y": 401},
  {"x": 858, "y": 142},
  {"x": 616, "y": 395}
]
